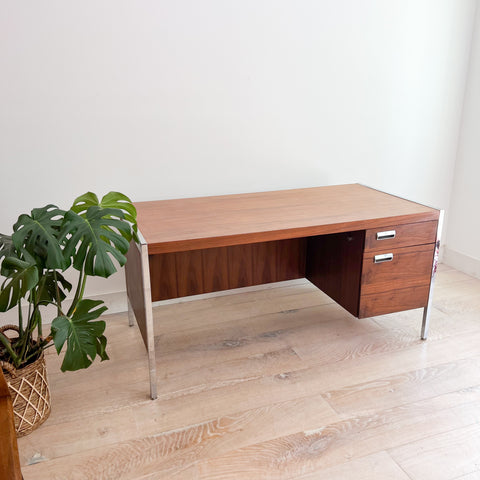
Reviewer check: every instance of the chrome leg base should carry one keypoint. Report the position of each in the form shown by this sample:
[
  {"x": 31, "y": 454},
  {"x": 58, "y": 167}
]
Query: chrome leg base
[
  {"x": 131, "y": 314},
  {"x": 425, "y": 322}
]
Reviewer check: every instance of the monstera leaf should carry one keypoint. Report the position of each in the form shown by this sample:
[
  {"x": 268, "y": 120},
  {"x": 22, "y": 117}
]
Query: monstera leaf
[
  {"x": 51, "y": 288},
  {"x": 84, "y": 337},
  {"x": 114, "y": 200},
  {"x": 92, "y": 238},
  {"x": 7, "y": 249},
  {"x": 22, "y": 277},
  {"x": 37, "y": 233}
]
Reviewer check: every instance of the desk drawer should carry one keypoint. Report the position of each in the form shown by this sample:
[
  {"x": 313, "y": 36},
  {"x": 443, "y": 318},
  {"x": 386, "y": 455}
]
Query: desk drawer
[
  {"x": 397, "y": 268},
  {"x": 393, "y": 301},
  {"x": 400, "y": 236}
]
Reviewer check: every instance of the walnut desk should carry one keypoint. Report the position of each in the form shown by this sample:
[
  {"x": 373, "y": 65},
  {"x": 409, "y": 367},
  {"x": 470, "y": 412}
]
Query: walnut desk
[{"x": 371, "y": 252}]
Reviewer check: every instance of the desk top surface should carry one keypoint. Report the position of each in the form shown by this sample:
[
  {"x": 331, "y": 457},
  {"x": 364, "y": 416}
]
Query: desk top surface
[{"x": 203, "y": 222}]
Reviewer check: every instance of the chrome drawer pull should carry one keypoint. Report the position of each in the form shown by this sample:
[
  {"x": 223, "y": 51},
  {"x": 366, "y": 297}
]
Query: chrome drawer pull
[
  {"x": 386, "y": 257},
  {"x": 386, "y": 235}
]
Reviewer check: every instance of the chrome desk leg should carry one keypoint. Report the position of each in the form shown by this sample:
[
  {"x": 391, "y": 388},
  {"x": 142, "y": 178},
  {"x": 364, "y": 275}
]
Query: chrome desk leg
[
  {"x": 427, "y": 309},
  {"x": 150, "y": 335},
  {"x": 131, "y": 314}
]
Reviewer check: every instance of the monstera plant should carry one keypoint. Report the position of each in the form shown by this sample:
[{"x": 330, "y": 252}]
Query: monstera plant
[{"x": 92, "y": 237}]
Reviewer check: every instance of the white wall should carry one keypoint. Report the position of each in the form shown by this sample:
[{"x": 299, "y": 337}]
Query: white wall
[
  {"x": 162, "y": 99},
  {"x": 462, "y": 248}
]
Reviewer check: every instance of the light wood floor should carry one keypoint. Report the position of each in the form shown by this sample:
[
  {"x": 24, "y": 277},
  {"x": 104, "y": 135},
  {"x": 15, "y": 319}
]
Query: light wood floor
[{"x": 279, "y": 383}]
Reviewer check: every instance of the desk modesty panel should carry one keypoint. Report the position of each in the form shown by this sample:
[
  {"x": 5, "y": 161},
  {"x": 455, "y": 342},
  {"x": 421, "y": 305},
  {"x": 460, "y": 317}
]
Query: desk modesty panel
[{"x": 371, "y": 252}]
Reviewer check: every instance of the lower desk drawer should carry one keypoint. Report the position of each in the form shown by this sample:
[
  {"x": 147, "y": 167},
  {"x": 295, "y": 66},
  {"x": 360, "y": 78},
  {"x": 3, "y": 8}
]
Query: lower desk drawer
[
  {"x": 393, "y": 301},
  {"x": 397, "y": 268}
]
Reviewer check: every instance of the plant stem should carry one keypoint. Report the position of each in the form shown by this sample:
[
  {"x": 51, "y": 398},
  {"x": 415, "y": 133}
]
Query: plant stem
[
  {"x": 40, "y": 326},
  {"x": 29, "y": 308},
  {"x": 82, "y": 279},
  {"x": 34, "y": 354},
  {"x": 20, "y": 317},
  {"x": 30, "y": 326},
  {"x": 36, "y": 309},
  {"x": 8, "y": 346},
  {"x": 57, "y": 294}
]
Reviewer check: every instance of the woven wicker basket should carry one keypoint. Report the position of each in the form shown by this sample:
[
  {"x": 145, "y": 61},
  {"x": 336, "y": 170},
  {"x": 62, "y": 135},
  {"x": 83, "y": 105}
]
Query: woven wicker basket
[{"x": 30, "y": 394}]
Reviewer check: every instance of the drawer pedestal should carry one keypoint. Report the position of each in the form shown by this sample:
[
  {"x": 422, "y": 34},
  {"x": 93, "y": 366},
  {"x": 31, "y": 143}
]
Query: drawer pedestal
[{"x": 376, "y": 271}]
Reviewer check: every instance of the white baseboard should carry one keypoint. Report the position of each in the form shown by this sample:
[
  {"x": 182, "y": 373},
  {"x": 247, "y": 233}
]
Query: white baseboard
[
  {"x": 462, "y": 262},
  {"x": 232, "y": 291},
  {"x": 117, "y": 301}
]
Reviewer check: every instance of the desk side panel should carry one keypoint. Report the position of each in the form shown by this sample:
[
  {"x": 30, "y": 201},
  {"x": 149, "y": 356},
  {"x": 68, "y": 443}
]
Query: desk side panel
[
  {"x": 334, "y": 264},
  {"x": 135, "y": 293}
]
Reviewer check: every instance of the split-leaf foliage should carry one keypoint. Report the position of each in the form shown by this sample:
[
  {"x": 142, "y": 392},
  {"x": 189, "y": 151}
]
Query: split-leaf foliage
[{"x": 93, "y": 237}]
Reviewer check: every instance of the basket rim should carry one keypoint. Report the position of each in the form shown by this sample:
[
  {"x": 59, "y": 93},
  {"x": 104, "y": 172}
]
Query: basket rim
[{"x": 9, "y": 369}]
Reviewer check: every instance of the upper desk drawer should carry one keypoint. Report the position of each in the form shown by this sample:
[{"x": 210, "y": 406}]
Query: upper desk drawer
[{"x": 400, "y": 235}]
